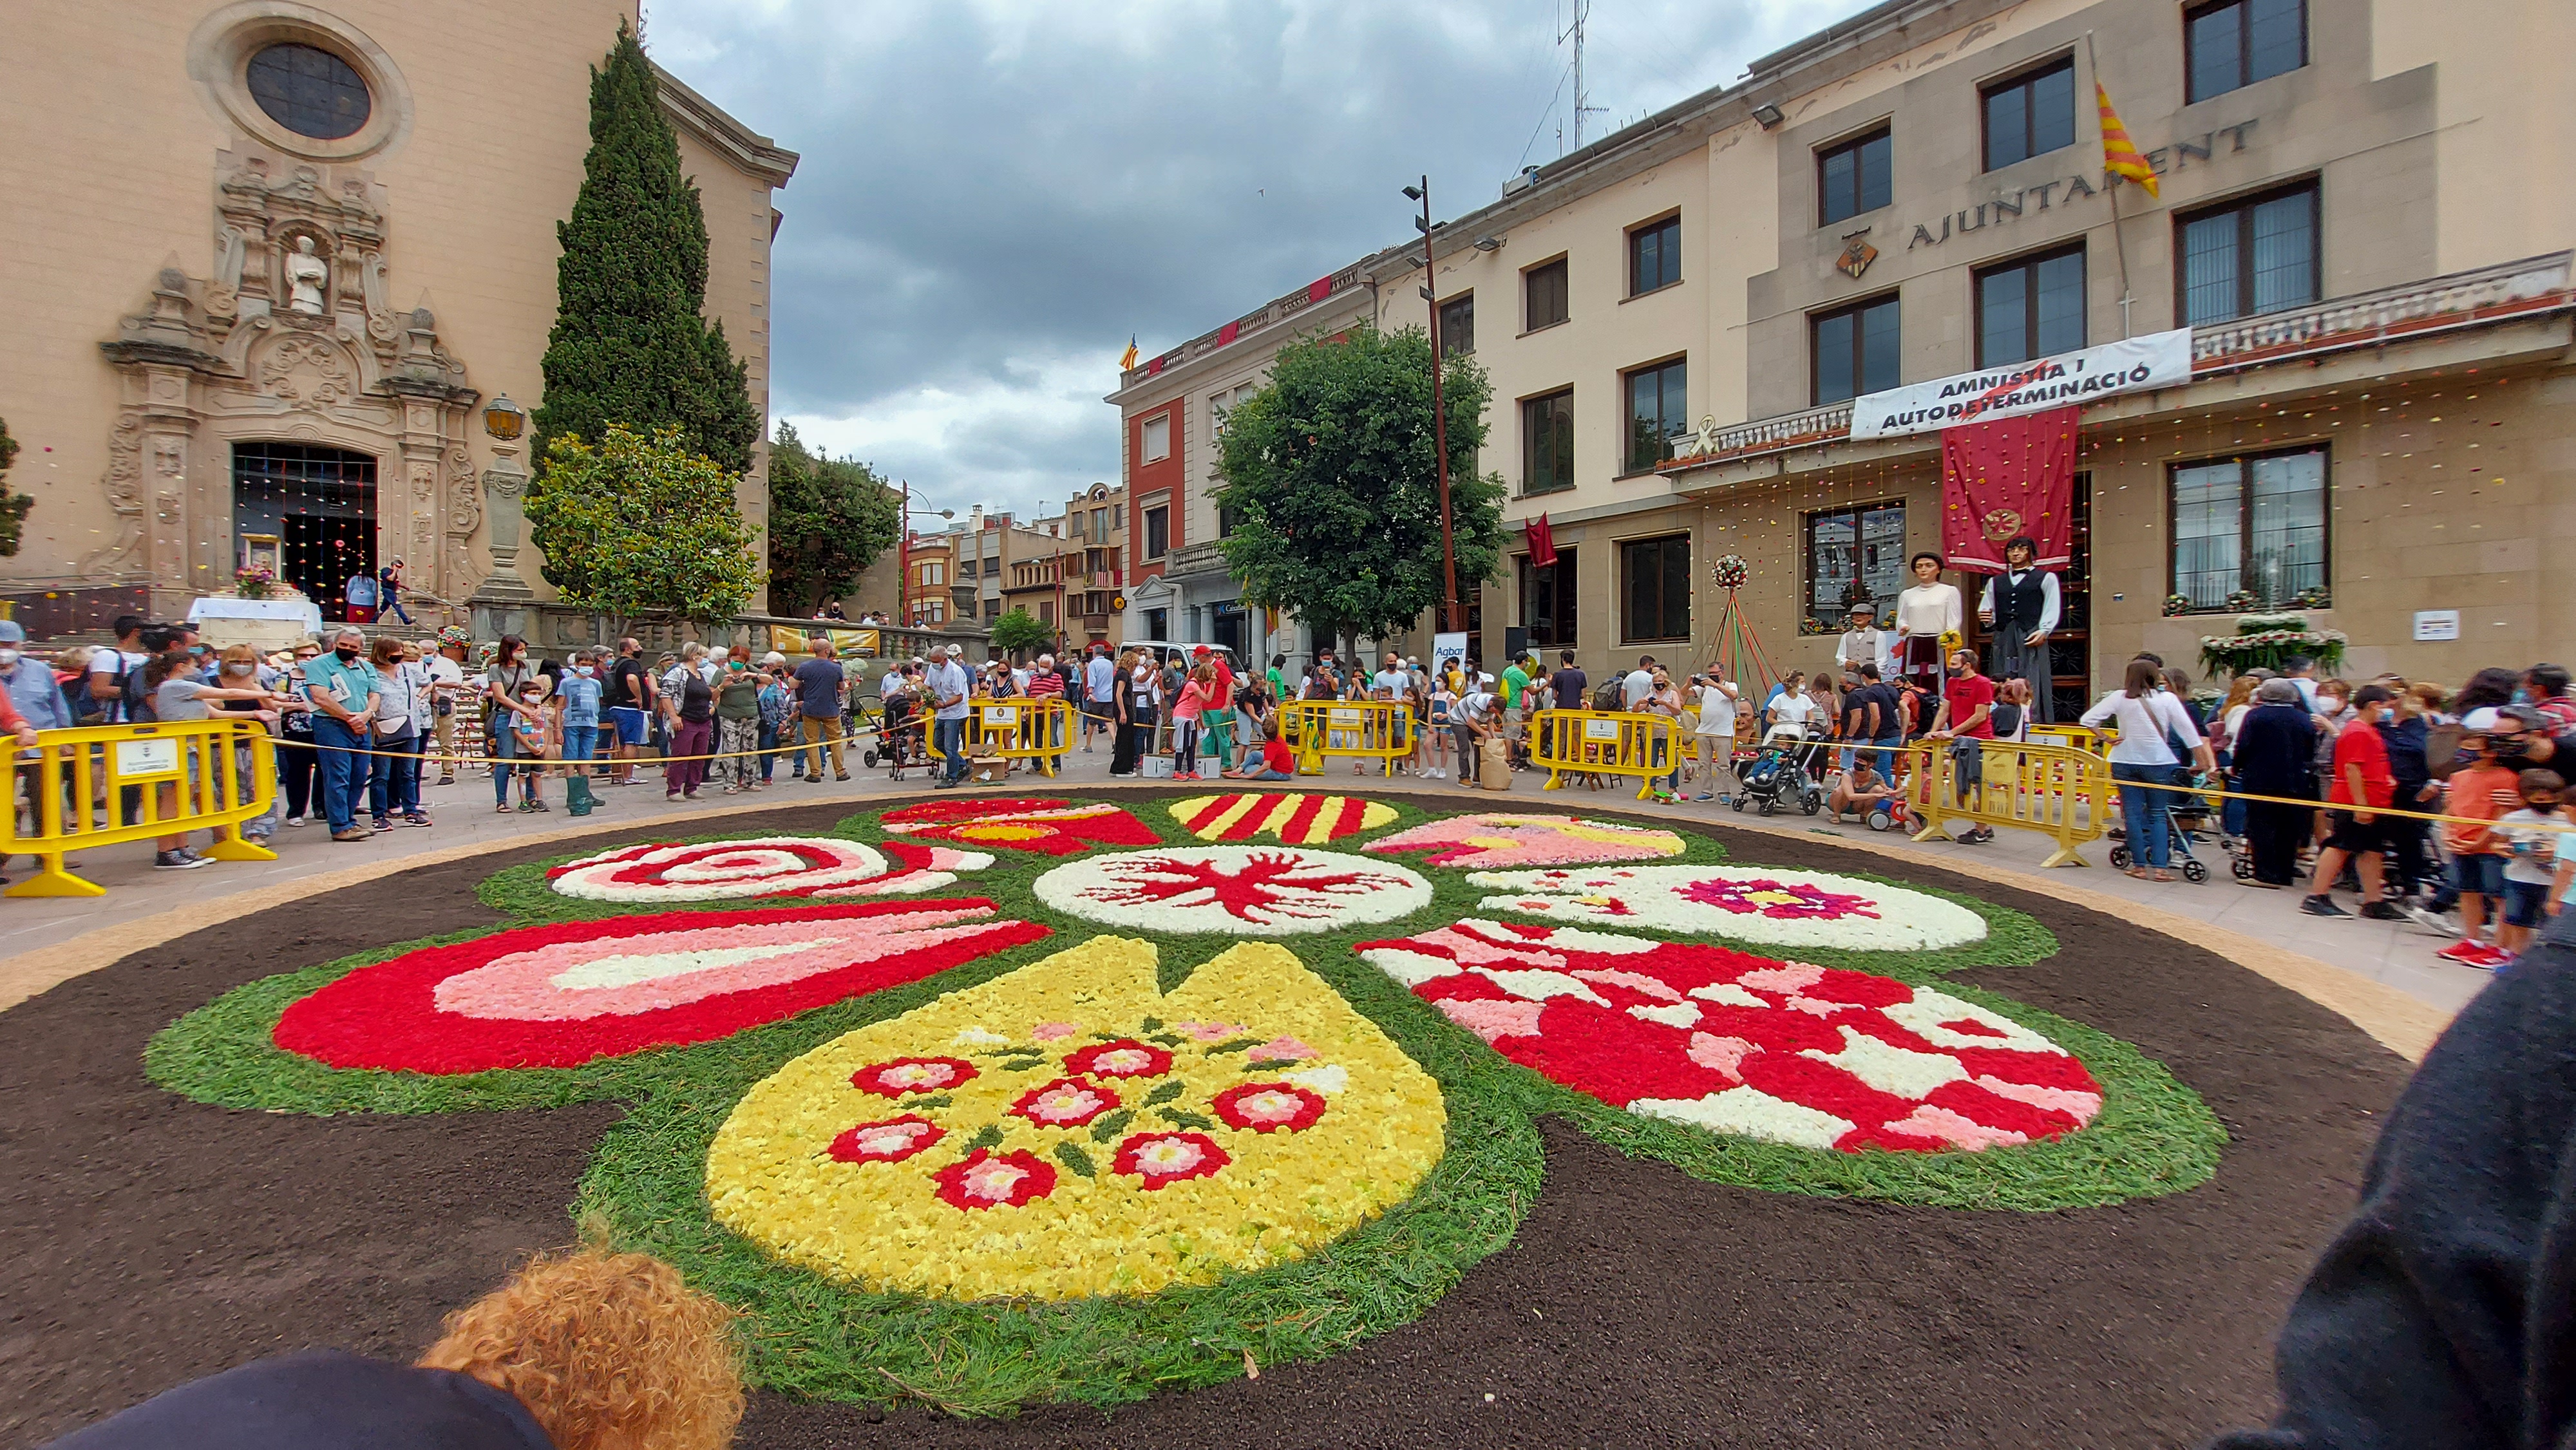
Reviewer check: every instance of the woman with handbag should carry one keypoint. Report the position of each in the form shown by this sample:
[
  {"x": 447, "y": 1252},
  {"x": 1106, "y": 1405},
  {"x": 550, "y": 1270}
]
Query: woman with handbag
[{"x": 393, "y": 776}]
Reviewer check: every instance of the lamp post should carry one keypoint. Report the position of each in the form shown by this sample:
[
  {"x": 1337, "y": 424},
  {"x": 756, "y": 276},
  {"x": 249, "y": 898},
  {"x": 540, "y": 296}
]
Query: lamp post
[
  {"x": 903, "y": 566},
  {"x": 1449, "y": 618}
]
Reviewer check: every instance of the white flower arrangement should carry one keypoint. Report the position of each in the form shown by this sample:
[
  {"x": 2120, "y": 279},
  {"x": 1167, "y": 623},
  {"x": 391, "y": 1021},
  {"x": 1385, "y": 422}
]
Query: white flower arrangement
[{"x": 1760, "y": 904}]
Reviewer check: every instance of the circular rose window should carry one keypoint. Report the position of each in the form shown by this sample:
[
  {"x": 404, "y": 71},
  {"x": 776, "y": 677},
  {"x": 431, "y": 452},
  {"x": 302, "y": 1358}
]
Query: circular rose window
[{"x": 309, "y": 91}]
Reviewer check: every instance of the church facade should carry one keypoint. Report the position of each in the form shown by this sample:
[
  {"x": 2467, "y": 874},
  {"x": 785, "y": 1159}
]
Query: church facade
[{"x": 280, "y": 278}]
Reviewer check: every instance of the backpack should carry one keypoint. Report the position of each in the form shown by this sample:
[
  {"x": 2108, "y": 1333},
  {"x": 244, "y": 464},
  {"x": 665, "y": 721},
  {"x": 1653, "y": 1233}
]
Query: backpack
[
  {"x": 135, "y": 700},
  {"x": 1612, "y": 695}
]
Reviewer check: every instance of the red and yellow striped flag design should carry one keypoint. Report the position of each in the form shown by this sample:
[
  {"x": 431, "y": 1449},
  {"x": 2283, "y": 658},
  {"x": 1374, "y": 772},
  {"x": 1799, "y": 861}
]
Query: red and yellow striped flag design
[
  {"x": 2119, "y": 154},
  {"x": 1296, "y": 819}
]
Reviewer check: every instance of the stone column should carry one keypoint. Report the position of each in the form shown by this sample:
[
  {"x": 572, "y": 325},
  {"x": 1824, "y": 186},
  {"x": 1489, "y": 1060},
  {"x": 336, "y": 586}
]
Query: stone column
[{"x": 501, "y": 605}]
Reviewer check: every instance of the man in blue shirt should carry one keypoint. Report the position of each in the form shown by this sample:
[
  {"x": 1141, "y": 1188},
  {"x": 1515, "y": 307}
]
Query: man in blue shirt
[
  {"x": 345, "y": 692},
  {"x": 950, "y": 686},
  {"x": 1099, "y": 695},
  {"x": 819, "y": 687},
  {"x": 31, "y": 685}
]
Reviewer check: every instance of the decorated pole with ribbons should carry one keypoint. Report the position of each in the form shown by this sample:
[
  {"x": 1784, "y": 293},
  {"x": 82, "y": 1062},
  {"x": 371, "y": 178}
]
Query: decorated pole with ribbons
[{"x": 1736, "y": 648}]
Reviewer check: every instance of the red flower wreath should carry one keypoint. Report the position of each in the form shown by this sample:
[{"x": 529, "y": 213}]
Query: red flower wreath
[
  {"x": 1160, "y": 1158},
  {"x": 890, "y": 1141},
  {"x": 1067, "y": 1102},
  {"x": 1124, "y": 1058},
  {"x": 912, "y": 1075},
  {"x": 985, "y": 1179},
  {"x": 1267, "y": 1107}
]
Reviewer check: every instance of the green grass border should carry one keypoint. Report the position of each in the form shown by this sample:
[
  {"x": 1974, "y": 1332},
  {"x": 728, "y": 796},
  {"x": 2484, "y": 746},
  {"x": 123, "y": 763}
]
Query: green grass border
[{"x": 816, "y": 1337}]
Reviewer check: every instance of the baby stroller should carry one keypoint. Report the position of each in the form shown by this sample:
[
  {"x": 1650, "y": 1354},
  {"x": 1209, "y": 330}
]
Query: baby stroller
[
  {"x": 900, "y": 741},
  {"x": 2186, "y": 823},
  {"x": 1774, "y": 776}
]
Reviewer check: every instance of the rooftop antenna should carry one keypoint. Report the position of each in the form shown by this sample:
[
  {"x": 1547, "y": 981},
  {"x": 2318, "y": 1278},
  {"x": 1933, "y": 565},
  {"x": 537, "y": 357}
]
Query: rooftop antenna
[{"x": 1582, "y": 13}]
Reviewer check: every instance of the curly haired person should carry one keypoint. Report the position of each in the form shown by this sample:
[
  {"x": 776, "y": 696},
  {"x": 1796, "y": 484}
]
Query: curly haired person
[{"x": 582, "y": 1350}]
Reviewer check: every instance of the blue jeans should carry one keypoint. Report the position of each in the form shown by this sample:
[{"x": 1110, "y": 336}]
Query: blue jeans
[
  {"x": 2143, "y": 811},
  {"x": 1889, "y": 747},
  {"x": 393, "y": 606},
  {"x": 768, "y": 743},
  {"x": 504, "y": 748},
  {"x": 393, "y": 785},
  {"x": 581, "y": 742},
  {"x": 950, "y": 738},
  {"x": 343, "y": 774}
]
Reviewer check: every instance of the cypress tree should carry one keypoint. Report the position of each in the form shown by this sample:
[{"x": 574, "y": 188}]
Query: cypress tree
[{"x": 630, "y": 344}]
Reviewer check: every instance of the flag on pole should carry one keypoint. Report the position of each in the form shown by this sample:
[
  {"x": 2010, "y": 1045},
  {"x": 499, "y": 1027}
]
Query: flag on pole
[
  {"x": 2119, "y": 154},
  {"x": 1542, "y": 542},
  {"x": 1127, "y": 364}
]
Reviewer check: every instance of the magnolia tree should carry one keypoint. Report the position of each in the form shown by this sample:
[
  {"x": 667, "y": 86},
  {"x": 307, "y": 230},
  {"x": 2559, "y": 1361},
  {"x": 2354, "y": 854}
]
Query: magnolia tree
[
  {"x": 1329, "y": 473},
  {"x": 642, "y": 527}
]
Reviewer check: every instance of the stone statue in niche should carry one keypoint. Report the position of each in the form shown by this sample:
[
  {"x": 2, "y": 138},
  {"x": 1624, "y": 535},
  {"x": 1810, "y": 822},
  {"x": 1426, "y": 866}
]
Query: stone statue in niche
[{"x": 306, "y": 276}]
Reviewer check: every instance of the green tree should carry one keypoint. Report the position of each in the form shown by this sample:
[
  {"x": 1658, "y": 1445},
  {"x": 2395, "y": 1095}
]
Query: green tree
[
  {"x": 645, "y": 526},
  {"x": 13, "y": 506},
  {"x": 630, "y": 344},
  {"x": 829, "y": 518},
  {"x": 1016, "y": 629},
  {"x": 1329, "y": 473}
]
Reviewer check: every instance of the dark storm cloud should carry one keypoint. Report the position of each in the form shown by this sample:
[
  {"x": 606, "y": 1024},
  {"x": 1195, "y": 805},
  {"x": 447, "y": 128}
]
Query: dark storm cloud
[{"x": 993, "y": 197}]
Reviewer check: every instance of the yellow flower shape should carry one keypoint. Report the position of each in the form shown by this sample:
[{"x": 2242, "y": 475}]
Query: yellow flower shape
[{"x": 1222, "y": 1156}]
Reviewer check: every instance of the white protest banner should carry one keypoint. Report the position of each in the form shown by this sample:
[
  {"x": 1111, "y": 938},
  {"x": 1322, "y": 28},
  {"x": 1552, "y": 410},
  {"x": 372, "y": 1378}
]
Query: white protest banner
[{"x": 2160, "y": 360}]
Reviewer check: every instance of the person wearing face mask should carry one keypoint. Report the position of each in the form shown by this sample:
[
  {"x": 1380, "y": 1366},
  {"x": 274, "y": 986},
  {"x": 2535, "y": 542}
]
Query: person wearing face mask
[
  {"x": 33, "y": 691},
  {"x": 532, "y": 737},
  {"x": 738, "y": 728},
  {"x": 346, "y": 694},
  {"x": 513, "y": 692},
  {"x": 393, "y": 781}
]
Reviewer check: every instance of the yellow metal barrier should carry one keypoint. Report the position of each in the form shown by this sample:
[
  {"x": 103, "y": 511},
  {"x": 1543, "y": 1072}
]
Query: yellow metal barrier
[
  {"x": 2057, "y": 790},
  {"x": 1605, "y": 742},
  {"x": 2077, "y": 737},
  {"x": 189, "y": 775},
  {"x": 1021, "y": 728},
  {"x": 1380, "y": 730}
]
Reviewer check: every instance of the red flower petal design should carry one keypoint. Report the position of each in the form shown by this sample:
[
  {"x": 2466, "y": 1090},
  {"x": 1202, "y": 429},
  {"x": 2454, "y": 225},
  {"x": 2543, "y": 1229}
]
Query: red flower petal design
[
  {"x": 912, "y": 1075},
  {"x": 985, "y": 1179},
  {"x": 1125, "y": 1057},
  {"x": 390, "y": 1017},
  {"x": 1160, "y": 1158},
  {"x": 1269, "y": 1107},
  {"x": 890, "y": 1141}
]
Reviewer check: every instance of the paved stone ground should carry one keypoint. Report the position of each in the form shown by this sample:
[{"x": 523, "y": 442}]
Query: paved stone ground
[{"x": 2398, "y": 955}]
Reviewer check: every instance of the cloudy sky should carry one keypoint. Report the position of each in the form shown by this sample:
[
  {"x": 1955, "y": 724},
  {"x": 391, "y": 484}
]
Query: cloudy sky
[{"x": 996, "y": 193}]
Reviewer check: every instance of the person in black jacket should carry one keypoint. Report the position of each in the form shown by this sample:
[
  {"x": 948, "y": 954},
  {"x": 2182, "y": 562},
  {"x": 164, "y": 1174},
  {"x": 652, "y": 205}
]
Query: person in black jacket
[
  {"x": 2403, "y": 731},
  {"x": 2276, "y": 755},
  {"x": 2443, "y": 1316}
]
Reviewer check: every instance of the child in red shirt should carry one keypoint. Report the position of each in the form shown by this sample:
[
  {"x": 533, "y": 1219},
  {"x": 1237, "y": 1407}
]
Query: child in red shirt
[
  {"x": 2363, "y": 787},
  {"x": 2481, "y": 790}
]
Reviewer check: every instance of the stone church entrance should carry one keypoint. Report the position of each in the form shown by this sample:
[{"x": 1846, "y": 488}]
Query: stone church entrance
[{"x": 311, "y": 508}]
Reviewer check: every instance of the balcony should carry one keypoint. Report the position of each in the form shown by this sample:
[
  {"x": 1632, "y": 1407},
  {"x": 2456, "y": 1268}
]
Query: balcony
[
  {"x": 2513, "y": 291},
  {"x": 1197, "y": 559}
]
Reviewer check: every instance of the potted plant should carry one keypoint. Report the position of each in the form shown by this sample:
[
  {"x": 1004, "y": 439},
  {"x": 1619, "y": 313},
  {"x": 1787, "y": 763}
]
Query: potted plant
[{"x": 254, "y": 582}]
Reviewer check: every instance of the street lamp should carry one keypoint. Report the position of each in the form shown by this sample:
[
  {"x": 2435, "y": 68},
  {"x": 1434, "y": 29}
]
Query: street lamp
[
  {"x": 1449, "y": 616},
  {"x": 903, "y": 553}
]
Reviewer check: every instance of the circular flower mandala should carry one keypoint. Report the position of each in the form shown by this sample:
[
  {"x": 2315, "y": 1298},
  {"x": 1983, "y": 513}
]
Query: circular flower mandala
[
  {"x": 1234, "y": 890},
  {"x": 1269, "y": 1107},
  {"x": 1764, "y": 905},
  {"x": 1067, "y": 1102},
  {"x": 766, "y": 866},
  {"x": 985, "y": 1179},
  {"x": 1161, "y": 1158},
  {"x": 912, "y": 1075},
  {"x": 891, "y": 1141},
  {"x": 1124, "y": 1058}
]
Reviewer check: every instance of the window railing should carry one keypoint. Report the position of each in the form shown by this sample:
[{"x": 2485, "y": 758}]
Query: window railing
[{"x": 2532, "y": 287}]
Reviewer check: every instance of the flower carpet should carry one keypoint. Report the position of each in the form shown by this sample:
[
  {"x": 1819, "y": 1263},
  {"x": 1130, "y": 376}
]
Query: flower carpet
[{"x": 976, "y": 1103}]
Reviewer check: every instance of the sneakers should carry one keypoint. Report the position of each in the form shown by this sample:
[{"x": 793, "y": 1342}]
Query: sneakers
[
  {"x": 2477, "y": 954},
  {"x": 295, "y": 820},
  {"x": 2431, "y": 920},
  {"x": 2382, "y": 911},
  {"x": 2322, "y": 906},
  {"x": 178, "y": 861},
  {"x": 354, "y": 833}
]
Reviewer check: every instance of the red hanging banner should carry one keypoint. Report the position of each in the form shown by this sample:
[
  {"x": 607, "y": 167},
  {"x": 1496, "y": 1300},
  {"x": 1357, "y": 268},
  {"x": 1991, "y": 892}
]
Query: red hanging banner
[
  {"x": 2008, "y": 477},
  {"x": 1542, "y": 542}
]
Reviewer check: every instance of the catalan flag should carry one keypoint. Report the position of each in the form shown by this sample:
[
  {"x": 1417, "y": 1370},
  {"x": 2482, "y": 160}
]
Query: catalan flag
[
  {"x": 1127, "y": 363},
  {"x": 2119, "y": 154},
  {"x": 1295, "y": 818}
]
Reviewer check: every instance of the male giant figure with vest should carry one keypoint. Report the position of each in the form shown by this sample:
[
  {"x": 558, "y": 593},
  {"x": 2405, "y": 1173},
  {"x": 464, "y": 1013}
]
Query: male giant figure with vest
[{"x": 2020, "y": 609}]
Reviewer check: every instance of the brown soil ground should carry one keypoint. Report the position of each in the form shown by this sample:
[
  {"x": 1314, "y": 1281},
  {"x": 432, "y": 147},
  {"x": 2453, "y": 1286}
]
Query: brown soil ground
[{"x": 154, "y": 1240}]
